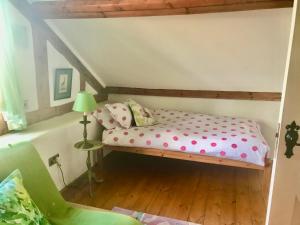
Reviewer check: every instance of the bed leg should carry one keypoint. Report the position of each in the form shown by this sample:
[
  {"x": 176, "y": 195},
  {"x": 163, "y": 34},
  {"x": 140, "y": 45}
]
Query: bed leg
[
  {"x": 266, "y": 178},
  {"x": 100, "y": 165}
]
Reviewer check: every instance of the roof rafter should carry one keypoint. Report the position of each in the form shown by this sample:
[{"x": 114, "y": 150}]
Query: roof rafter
[{"x": 132, "y": 8}]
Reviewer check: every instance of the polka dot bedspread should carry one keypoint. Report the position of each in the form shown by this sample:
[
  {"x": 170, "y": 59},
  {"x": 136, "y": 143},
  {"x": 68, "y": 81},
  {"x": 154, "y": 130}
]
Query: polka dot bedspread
[{"x": 219, "y": 136}]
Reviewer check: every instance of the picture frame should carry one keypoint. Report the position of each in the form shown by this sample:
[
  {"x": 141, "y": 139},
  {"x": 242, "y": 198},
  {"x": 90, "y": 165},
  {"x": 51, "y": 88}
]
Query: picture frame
[{"x": 63, "y": 83}]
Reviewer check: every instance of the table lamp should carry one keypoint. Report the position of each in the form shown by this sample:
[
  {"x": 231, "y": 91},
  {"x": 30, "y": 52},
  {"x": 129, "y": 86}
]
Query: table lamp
[{"x": 84, "y": 103}]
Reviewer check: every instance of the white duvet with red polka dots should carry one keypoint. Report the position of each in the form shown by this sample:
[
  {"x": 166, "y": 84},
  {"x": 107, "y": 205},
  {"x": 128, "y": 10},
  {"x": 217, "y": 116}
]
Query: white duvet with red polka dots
[{"x": 219, "y": 136}]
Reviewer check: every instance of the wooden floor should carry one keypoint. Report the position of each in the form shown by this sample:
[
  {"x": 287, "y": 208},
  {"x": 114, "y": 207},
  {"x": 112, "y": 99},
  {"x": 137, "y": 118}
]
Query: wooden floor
[{"x": 200, "y": 193}]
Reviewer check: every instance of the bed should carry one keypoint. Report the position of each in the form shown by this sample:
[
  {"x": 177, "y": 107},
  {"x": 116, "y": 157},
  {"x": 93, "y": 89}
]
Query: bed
[{"x": 194, "y": 136}]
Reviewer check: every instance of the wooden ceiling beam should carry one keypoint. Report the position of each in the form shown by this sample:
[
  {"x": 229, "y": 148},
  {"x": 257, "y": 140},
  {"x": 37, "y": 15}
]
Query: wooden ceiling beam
[
  {"x": 133, "y": 8},
  {"x": 237, "y": 95}
]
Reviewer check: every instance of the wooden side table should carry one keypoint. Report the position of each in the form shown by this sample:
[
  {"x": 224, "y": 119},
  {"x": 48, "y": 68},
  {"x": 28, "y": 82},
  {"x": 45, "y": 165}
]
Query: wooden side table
[{"x": 95, "y": 146}]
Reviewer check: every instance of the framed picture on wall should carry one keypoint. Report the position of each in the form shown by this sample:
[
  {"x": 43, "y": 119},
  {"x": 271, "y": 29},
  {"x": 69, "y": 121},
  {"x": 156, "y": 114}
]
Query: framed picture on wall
[{"x": 63, "y": 83}]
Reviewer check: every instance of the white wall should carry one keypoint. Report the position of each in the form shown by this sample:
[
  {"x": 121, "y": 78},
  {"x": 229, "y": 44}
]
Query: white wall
[
  {"x": 25, "y": 64},
  {"x": 57, "y": 61},
  {"x": 25, "y": 59},
  {"x": 90, "y": 89},
  {"x": 218, "y": 51},
  {"x": 234, "y": 51},
  {"x": 242, "y": 51},
  {"x": 266, "y": 113},
  {"x": 58, "y": 135},
  {"x": 61, "y": 140}
]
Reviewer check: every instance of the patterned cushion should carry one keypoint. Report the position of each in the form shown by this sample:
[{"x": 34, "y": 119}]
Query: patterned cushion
[
  {"x": 16, "y": 206},
  {"x": 121, "y": 113},
  {"x": 142, "y": 116},
  {"x": 105, "y": 119}
]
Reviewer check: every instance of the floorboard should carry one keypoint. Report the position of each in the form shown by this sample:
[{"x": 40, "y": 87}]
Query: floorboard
[{"x": 200, "y": 193}]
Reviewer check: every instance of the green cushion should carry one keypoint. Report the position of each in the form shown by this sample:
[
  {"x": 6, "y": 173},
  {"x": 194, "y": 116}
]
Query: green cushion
[
  {"x": 44, "y": 193},
  {"x": 16, "y": 206},
  {"x": 142, "y": 116},
  {"x": 36, "y": 178}
]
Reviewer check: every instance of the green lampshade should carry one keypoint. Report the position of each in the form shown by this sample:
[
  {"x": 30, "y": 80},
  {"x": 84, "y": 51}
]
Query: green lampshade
[{"x": 85, "y": 102}]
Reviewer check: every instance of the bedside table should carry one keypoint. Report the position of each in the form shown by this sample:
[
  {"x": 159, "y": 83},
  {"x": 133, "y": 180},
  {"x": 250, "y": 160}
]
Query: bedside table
[{"x": 94, "y": 146}]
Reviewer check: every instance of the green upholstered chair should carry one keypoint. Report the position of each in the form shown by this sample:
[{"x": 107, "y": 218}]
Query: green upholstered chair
[{"x": 43, "y": 191}]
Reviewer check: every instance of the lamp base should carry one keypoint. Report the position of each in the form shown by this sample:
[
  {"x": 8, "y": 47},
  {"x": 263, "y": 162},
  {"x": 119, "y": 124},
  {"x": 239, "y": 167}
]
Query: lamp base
[{"x": 83, "y": 145}]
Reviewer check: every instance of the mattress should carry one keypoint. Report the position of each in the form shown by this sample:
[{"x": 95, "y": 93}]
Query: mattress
[{"x": 218, "y": 136}]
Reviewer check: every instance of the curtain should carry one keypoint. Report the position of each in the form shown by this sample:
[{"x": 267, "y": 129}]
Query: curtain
[{"x": 11, "y": 101}]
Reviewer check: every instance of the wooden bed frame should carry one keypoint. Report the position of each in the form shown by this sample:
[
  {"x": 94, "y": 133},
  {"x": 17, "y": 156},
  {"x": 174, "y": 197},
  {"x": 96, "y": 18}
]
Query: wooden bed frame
[
  {"x": 264, "y": 172},
  {"x": 187, "y": 156}
]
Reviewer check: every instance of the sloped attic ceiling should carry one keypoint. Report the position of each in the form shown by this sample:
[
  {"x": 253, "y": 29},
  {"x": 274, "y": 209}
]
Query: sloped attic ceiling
[{"x": 220, "y": 51}]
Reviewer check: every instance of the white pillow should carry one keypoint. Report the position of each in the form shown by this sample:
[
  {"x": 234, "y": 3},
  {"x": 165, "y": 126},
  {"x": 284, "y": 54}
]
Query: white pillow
[
  {"x": 121, "y": 114},
  {"x": 105, "y": 119}
]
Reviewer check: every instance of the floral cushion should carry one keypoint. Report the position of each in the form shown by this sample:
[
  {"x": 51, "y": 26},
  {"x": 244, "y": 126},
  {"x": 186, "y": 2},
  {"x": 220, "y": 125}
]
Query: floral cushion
[
  {"x": 16, "y": 206},
  {"x": 105, "y": 119},
  {"x": 121, "y": 113},
  {"x": 142, "y": 116}
]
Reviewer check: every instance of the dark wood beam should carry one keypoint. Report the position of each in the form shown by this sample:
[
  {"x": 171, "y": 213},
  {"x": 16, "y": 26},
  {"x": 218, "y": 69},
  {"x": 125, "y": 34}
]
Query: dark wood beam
[
  {"x": 130, "y": 8},
  {"x": 38, "y": 23},
  {"x": 238, "y": 95},
  {"x": 41, "y": 68}
]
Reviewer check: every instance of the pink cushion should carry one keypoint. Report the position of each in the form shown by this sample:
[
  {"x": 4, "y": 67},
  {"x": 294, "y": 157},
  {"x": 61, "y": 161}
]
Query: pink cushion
[
  {"x": 105, "y": 119},
  {"x": 121, "y": 113}
]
